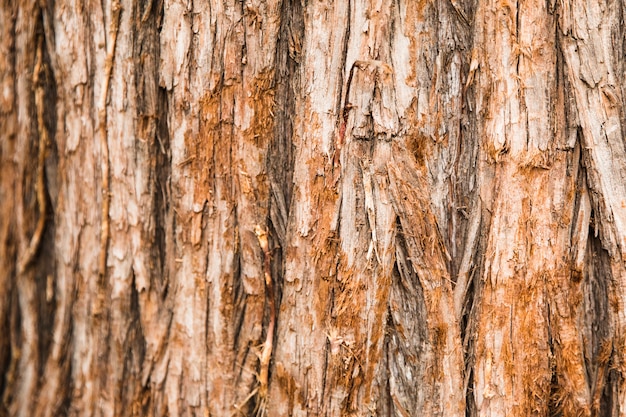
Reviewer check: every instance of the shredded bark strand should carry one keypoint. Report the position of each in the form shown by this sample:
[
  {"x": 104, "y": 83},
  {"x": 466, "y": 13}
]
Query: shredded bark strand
[
  {"x": 116, "y": 10},
  {"x": 266, "y": 353},
  {"x": 35, "y": 241}
]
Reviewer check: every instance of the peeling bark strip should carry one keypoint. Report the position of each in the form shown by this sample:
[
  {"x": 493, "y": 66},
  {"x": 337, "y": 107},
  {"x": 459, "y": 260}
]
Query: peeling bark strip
[
  {"x": 275, "y": 207},
  {"x": 266, "y": 352},
  {"x": 116, "y": 10}
]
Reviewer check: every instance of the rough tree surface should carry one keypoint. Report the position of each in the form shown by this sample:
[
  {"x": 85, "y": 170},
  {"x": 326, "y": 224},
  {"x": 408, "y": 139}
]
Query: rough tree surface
[{"x": 312, "y": 208}]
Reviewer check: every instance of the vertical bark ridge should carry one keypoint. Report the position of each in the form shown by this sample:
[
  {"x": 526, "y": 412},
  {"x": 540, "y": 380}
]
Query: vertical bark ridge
[
  {"x": 255, "y": 128},
  {"x": 366, "y": 231},
  {"x": 300, "y": 357},
  {"x": 365, "y": 226},
  {"x": 26, "y": 279},
  {"x": 77, "y": 233},
  {"x": 22, "y": 144},
  {"x": 366, "y": 218},
  {"x": 425, "y": 263},
  {"x": 585, "y": 35},
  {"x": 527, "y": 295},
  {"x": 429, "y": 102},
  {"x": 221, "y": 156},
  {"x": 188, "y": 80},
  {"x": 133, "y": 299}
]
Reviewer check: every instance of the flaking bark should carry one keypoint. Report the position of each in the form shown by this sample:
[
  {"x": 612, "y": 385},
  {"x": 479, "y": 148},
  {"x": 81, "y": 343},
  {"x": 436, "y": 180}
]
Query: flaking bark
[{"x": 360, "y": 207}]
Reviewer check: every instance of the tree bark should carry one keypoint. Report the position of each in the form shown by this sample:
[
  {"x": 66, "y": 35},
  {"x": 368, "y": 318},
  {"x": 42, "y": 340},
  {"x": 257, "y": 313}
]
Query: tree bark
[{"x": 270, "y": 207}]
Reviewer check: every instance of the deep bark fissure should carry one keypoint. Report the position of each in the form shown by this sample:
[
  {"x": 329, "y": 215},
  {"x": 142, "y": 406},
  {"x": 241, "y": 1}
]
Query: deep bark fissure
[
  {"x": 45, "y": 106},
  {"x": 598, "y": 350},
  {"x": 162, "y": 194}
]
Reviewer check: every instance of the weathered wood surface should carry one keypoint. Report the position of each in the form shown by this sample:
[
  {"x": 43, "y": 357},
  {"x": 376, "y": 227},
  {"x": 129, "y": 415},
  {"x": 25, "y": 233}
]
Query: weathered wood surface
[{"x": 277, "y": 208}]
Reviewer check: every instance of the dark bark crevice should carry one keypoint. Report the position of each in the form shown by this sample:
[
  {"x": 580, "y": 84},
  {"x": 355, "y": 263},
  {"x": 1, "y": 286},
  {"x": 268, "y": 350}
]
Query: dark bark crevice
[
  {"x": 44, "y": 264},
  {"x": 163, "y": 218},
  {"x": 280, "y": 154},
  {"x": 598, "y": 330}
]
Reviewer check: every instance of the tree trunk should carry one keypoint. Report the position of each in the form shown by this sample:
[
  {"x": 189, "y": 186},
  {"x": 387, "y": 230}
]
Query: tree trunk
[{"x": 357, "y": 207}]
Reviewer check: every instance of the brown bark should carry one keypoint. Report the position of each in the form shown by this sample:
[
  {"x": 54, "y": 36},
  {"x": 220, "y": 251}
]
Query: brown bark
[{"x": 312, "y": 208}]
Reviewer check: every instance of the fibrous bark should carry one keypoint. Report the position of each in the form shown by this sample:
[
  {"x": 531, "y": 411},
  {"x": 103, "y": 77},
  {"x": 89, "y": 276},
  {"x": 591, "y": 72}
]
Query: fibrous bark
[{"x": 269, "y": 207}]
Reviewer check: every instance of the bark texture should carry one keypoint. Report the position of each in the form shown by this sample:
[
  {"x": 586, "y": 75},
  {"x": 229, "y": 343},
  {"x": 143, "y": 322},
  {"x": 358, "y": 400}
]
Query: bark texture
[{"x": 285, "y": 207}]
